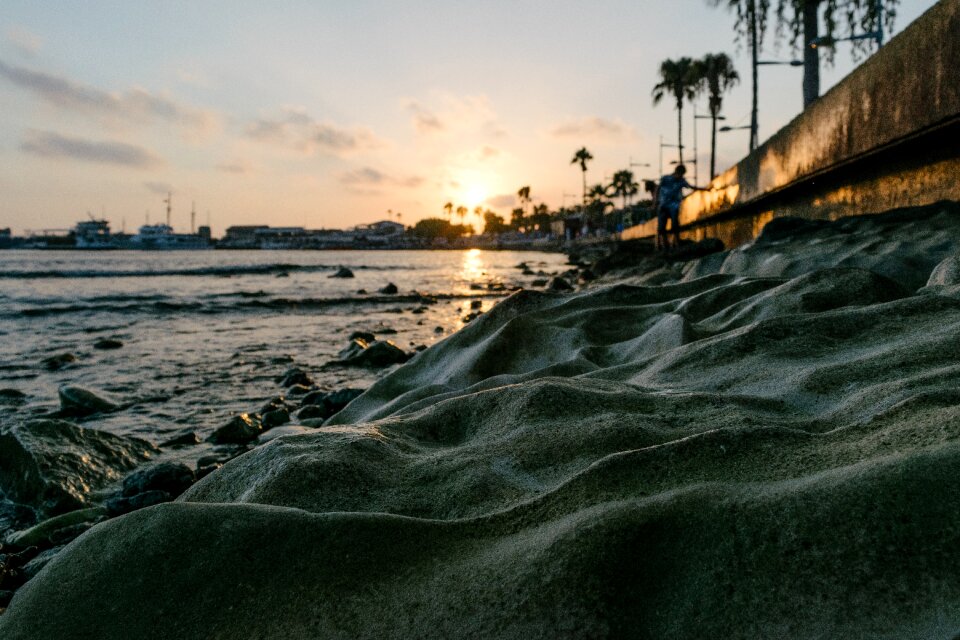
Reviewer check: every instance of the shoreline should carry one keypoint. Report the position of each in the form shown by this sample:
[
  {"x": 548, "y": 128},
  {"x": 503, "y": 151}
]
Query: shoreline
[{"x": 758, "y": 441}]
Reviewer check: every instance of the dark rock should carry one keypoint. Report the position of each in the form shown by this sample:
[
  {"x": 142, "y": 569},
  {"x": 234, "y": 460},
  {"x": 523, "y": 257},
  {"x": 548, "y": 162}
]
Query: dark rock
[
  {"x": 313, "y": 411},
  {"x": 393, "y": 310},
  {"x": 39, "y": 561},
  {"x": 282, "y": 274},
  {"x": 438, "y": 329},
  {"x": 390, "y": 289},
  {"x": 59, "y": 361},
  {"x": 366, "y": 336},
  {"x": 107, "y": 343},
  {"x": 206, "y": 470},
  {"x": 277, "y": 402},
  {"x": 559, "y": 284},
  {"x": 49, "y": 532},
  {"x": 68, "y": 534},
  {"x": 12, "y": 397},
  {"x": 384, "y": 331},
  {"x": 184, "y": 440},
  {"x": 77, "y": 401},
  {"x": 5, "y": 597},
  {"x": 211, "y": 459},
  {"x": 419, "y": 310},
  {"x": 342, "y": 272},
  {"x": 496, "y": 286},
  {"x": 314, "y": 397},
  {"x": 539, "y": 283},
  {"x": 587, "y": 275},
  {"x": 239, "y": 430},
  {"x": 529, "y": 272},
  {"x": 476, "y": 304},
  {"x": 476, "y": 286},
  {"x": 297, "y": 377},
  {"x": 339, "y": 399},
  {"x": 172, "y": 477},
  {"x": 420, "y": 347},
  {"x": 119, "y": 505},
  {"x": 470, "y": 317},
  {"x": 299, "y": 390},
  {"x": 376, "y": 354},
  {"x": 54, "y": 465},
  {"x": 361, "y": 292},
  {"x": 275, "y": 418}
]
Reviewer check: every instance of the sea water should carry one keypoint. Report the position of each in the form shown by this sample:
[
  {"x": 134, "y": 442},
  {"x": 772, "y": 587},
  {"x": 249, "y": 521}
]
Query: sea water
[{"x": 206, "y": 334}]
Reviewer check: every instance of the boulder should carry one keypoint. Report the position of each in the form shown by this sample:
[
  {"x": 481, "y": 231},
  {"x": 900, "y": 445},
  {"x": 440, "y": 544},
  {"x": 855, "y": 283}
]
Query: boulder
[
  {"x": 342, "y": 272},
  {"x": 297, "y": 377},
  {"x": 55, "y": 465},
  {"x": 362, "y": 335},
  {"x": 172, "y": 477},
  {"x": 184, "y": 440},
  {"x": 380, "y": 353},
  {"x": 312, "y": 411},
  {"x": 119, "y": 505},
  {"x": 107, "y": 343},
  {"x": 240, "y": 429},
  {"x": 559, "y": 284},
  {"x": 275, "y": 418},
  {"x": 76, "y": 402},
  {"x": 59, "y": 361},
  {"x": 12, "y": 397},
  {"x": 390, "y": 289},
  {"x": 43, "y": 534},
  {"x": 328, "y": 404},
  {"x": 946, "y": 273}
]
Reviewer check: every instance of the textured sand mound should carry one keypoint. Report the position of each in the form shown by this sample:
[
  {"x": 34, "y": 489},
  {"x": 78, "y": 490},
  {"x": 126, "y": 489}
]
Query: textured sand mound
[{"x": 726, "y": 457}]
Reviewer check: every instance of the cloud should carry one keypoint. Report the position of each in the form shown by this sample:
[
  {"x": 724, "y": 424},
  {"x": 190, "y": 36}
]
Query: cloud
[
  {"x": 135, "y": 105},
  {"x": 454, "y": 113},
  {"x": 368, "y": 180},
  {"x": 48, "y": 144},
  {"x": 424, "y": 120},
  {"x": 595, "y": 128},
  {"x": 239, "y": 167},
  {"x": 26, "y": 42},
  {"x": 295, "y": 129},
  {"x": 161, "y": 188},
  {"x": 501, "y": 201}
]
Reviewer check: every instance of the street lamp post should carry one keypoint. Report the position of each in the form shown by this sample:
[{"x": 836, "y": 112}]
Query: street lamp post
[
  {"x": 696, "y": 166},
  {"x": 669, "y": 146}
]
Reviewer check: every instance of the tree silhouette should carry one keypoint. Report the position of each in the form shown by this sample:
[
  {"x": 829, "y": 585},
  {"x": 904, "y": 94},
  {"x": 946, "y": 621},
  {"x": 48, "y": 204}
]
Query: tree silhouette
[
  {"x": 719, "y": 76},
  {"x": 462, "y": 213},
  {"x": 623, "y": 185},
  {"x": 448, "y": 210},
  {"x": 799, "y": 20},
  {"x": 583, "y": 157},
  {"x": 680, "y": 79}
]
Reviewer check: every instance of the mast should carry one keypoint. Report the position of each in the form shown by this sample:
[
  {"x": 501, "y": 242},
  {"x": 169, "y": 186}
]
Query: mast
[
  {"x": 167, "y": 201},
  {"x": 193, "y": 217}
]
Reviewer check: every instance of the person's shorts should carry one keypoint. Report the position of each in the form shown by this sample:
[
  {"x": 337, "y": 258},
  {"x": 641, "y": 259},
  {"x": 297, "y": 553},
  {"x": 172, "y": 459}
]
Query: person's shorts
[{"x": 665, "y": 212}]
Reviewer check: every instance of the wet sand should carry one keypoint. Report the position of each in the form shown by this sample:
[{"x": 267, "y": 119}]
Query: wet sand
[{"x": 760, "y": 443}]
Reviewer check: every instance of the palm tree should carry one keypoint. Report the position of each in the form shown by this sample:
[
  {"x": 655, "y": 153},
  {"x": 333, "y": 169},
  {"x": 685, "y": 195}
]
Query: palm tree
[
  {"x": 679, "y": 78},
  {"x": 719, "y": 77},
  {"x": 524, "y": 195},
  {"x": 462, "y": 213},
  {"x": 448, "y": 210},
  {"x": 583, "y": 156},
  {"x": 800, "y": 21},
  {"x": 623, "y": 185}
]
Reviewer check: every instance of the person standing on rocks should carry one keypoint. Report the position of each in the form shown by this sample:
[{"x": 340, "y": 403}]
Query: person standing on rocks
[{"x": 668, "y": 195}]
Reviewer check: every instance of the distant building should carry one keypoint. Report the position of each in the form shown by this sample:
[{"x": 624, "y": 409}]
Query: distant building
[
  {"x": 242, "y": 237},
  {"x": 6, "y": 238},
  {"x": 93, "y": 234}
]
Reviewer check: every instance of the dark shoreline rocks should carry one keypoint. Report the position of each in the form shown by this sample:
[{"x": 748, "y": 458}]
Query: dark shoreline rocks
[{"x": 54, "y": 465}]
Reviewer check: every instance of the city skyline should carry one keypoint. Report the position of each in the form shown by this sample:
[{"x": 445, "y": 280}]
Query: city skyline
[{"x": 327, "y": 117}]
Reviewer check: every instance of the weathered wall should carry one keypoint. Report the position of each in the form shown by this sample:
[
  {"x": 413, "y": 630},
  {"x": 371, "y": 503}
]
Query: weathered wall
[{"x": 886, "y": 136}]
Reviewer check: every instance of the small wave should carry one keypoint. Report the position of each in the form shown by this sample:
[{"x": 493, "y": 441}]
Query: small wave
[
  {"x": 221, "y": 271},
  {"x": 245, "y": 303}
]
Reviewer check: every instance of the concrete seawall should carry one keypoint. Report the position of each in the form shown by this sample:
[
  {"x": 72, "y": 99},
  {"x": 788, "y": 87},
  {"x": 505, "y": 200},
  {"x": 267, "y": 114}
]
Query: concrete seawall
[{"x": 886, "y": 136}]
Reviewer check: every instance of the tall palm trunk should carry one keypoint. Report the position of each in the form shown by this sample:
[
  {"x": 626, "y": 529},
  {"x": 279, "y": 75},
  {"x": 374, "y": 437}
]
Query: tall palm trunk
[
  {"x": 680, "y": 128},
  {"x": 713, "y": 143},
  {"x": 584, "y": 187},
  {"x": 754, "y": 124},
  {"x": 811, "y": 56}
]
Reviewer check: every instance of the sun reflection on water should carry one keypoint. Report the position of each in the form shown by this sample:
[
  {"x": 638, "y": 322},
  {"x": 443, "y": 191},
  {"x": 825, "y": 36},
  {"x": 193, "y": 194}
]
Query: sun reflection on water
[{"x": 474, "y": 268}]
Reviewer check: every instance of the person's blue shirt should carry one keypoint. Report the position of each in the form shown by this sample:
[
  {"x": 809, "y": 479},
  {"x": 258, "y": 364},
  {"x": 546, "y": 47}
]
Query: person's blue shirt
[{"x": 671, "y": 190}]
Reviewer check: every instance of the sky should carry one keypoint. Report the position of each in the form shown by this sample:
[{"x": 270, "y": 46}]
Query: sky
[{"x": 333, "y": 113}]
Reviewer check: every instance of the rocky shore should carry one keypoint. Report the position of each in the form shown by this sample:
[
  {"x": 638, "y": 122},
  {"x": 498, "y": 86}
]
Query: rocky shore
[{"x": 757, "y": 442}]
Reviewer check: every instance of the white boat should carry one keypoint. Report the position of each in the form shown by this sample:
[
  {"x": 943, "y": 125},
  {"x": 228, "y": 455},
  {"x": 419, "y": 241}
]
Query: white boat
[{"x": 162, "y": 237}]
